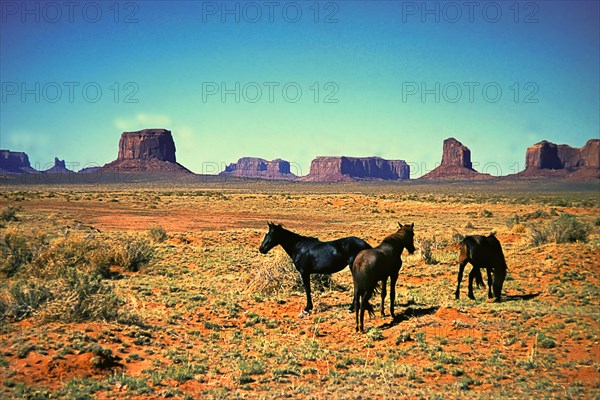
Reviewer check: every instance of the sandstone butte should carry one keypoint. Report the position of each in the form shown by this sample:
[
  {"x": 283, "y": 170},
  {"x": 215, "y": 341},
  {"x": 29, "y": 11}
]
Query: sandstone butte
[
  {"x": 59, "y": 167},
  {"x": 15, "y": 162},
  {"x": 334, "y": 169},
  {"x": 547, "y": 160},
  {"x": 148, "y": 150},
  {"x": 456, "y": 164},
  {"x": 253, "y": 167}
]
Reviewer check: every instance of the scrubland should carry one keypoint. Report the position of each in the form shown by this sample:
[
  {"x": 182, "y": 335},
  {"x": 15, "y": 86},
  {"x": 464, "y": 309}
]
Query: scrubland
[{"x": 146, "y": 291}]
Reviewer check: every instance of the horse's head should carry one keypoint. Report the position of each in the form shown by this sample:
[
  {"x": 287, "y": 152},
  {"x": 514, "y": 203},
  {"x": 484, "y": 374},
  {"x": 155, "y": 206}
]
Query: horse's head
[
  {"x": 408, "y": 235},
  {"x": 271, "y": 238}
]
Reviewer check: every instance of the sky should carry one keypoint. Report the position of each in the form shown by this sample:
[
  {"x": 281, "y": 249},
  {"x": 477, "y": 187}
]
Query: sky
[{"x": 299, "y": 79}]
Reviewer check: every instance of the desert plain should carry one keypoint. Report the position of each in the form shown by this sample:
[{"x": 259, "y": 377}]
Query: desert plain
[{"x": 140, "y": 290}]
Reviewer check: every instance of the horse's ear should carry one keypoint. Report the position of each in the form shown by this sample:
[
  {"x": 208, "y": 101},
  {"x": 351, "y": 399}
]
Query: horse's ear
[
  {"x": 412, "y": 225},
  {"x": 399, "y": 224}
]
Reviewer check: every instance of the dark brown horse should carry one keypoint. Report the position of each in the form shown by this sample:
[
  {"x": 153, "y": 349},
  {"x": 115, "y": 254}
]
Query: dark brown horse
[
  {"x": 482, "y": 252},
  {"x": 376, "y": 265},
  {"x": 311, "y": 256}
]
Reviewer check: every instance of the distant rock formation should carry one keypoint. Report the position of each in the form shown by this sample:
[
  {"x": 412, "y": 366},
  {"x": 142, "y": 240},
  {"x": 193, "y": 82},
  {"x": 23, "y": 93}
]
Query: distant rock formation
[
  {"x": 456, "y": 154},
  {"x": 546, "y": 159},
  {"x": 88, "y": 170},
  {"x": 147, "y": 150},
  {"x": 15, "y": 162},
  {"x": 252, "y": 167},
  {"x": 543, "y": 155},
  {"x": 456, "y": 164},
  {"x": 58, "y": 167},
  {"x": 333, "y": 169}
]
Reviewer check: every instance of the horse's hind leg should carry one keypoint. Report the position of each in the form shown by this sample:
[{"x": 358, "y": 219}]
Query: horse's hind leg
[
  {"x": 489, "y": 274},
  {"x": 393, "y": 279},
  {"x": 471, "y": 277},
  {"x": 352, "y": 305},
  {"x": 383, "y": 294},
  {"x": 356, "y": 303},
  {"x": 306, "y": 283},
  {"x": 363, "y": 305},
  {"x": 461, "y": 269}
]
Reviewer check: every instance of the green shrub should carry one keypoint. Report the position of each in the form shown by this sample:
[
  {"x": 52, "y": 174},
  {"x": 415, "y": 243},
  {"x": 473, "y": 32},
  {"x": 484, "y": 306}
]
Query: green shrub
[
  {"x": 538, "y": 235},
  {"x": 545, "y": 341},
  {"x": 426, "y": 247},
  {"x": 565, "y": 228},
  {"x": 87, "y": 253},
  {"x": 14, "y": 252},
  {"x": 27, "y": 298},
  {"x": 133, "y": 254},
  {"x": 9, "y": 214},
  {"x": 81, "y": 297},
  {"x": 158, "y": 234},
  {"x": 487, "y": 214},
  {"x": 512, "y": 221}
]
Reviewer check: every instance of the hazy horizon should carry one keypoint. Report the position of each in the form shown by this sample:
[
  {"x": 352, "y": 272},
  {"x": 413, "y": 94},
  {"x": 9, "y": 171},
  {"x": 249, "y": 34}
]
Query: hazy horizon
[{"x": 297, "y": 80}]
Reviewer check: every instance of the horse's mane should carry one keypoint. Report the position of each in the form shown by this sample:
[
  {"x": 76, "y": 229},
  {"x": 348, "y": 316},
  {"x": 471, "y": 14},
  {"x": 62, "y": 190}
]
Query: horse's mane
[
  {"x": 397, "y": 236},
  {"x": 296, "y": 235}
]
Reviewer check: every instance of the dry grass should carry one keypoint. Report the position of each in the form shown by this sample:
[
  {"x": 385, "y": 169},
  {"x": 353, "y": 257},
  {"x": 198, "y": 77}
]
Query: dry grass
[{"x": 278, "y": 275}]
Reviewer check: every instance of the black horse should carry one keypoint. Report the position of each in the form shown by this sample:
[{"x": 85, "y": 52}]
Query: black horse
[
  {"x": 482, "y": 252},
  {"x": 311, "y": 256},
  {"x": 376, "y": 265}
]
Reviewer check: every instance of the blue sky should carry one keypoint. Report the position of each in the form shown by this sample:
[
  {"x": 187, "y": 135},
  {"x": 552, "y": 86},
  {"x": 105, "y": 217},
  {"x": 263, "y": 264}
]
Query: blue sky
[{"x": 164, "y": 65}]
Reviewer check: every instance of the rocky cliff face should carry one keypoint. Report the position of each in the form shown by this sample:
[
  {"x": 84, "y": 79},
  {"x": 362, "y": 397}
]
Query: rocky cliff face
[
  {"x": 456, "y": 164},
  {"x": 546, "y": 159},
  {"x": 543, "y": 155},
  {"x": 59, "y": 167},
  {"x": 252, "y": 167},
  {"x": 14, "y": 162},
  {"x": 146, "y": 150},
  {"x": 590, "y": 153},
  {"x": 587, "y": 156},
  {"x": 331, "y": 169}
]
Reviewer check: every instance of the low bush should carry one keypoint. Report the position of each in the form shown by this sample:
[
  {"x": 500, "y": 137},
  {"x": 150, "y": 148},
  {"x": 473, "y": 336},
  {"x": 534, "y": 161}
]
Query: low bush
[
  {"x": 61, "y": 279},
  {"x": 426, "y": 248},
  {"x": 565, "y": 228},
  {"x": 133, "y": 254},
  {"x": 15, "y": 252},
  {"x": 9, "y": 214},
  {"x": 158, "y": 234}
]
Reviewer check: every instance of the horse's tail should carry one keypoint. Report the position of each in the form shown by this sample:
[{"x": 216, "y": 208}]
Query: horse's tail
[
  {"x": 377, "y": 288},
  {"x": 369, "y": 308},
  {"x": 478, "y": 277}
]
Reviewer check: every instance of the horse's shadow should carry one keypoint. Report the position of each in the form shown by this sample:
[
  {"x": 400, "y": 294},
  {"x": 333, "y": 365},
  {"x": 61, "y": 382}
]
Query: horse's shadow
[
  {"x": 408, "y": 313},
  {"x": 521, "y": 297}
]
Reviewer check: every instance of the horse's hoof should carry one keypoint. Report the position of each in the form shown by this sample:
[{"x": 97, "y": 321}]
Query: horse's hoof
[{"x": 304, "y": 313}]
